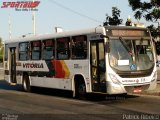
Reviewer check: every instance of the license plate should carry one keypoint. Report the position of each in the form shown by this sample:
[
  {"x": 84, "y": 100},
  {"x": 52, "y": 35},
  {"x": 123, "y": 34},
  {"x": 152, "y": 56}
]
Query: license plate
[{"x": 137, "y": 90}]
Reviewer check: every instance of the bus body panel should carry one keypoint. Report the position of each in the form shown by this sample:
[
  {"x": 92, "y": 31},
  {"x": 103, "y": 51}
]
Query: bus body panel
[{"x": 60, "y": 74}]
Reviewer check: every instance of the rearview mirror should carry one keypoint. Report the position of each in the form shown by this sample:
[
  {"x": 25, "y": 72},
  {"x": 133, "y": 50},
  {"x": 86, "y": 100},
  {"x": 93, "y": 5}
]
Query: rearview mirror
[{"x": 107, "y": 47}]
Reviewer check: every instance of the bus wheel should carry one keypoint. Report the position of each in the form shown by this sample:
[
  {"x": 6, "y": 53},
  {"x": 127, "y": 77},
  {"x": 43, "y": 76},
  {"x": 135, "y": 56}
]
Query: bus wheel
[
  {"x": 26, "y": 84},
  {"x": 80, "y": 90}
]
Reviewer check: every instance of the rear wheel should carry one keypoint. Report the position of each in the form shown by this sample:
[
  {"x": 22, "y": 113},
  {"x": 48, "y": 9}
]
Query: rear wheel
[
  {"x": 80, "y": 90},
  {"x": 26, "y": 84}
]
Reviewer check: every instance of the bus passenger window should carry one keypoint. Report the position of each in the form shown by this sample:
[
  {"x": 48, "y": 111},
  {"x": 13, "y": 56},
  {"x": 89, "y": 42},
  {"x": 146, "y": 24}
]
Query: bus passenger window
[
  {"x": 36, "y": 50},
  {"x": 79, "y": 47},
  {"x": 24, "y": 51},
  {"x": 48, "y": 50},
  {"x": 63, "y": 51},
  {"x": 6, "y": 53}
]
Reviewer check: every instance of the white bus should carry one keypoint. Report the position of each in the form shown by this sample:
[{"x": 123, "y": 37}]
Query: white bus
[{"x": 109, "y": 60}]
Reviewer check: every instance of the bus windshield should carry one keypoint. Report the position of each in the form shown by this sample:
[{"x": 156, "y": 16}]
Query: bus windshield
[{"x": 131, "y": 55}]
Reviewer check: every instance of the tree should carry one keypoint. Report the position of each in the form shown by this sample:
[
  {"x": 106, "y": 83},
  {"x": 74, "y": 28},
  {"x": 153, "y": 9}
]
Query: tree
[
  {"x": 1, "y": 50},
  {"x": 1, "y": 43},
  {"x": 149, "y": 10},
  {"x": 114, "y": 20},
  {"x": 154, "y": 31}
]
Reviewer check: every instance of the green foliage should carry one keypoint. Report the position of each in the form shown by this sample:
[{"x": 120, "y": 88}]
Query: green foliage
[
  {"x": 114, "y": 20},
  {"x": 155, "y": 32},
  {"x": 1, "y": 50},
  {"x": 149, "y": 10},
  {"x": 1, "y": 43},
  {"x": 1, "y": 58}
]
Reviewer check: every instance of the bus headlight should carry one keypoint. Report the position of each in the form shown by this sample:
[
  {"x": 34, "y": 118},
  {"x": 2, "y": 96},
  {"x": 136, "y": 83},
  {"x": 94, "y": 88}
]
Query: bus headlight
[
  {"x": 114, "y": 79},
  {"x": 154, "y": 77}
]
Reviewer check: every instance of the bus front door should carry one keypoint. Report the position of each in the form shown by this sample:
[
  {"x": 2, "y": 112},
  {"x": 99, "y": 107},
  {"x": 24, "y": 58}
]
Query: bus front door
[
  {"x": 98, "y": 66},
  {"x": 13, "y": 65}
]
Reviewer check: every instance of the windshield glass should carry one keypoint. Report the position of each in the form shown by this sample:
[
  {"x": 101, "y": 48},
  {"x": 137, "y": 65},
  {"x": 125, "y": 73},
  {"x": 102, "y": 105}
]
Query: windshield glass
[{"x": 131, "y": 55}]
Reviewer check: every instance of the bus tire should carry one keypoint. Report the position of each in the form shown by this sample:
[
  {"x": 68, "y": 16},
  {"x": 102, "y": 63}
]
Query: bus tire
[
  {"x": 80, "y": 89},
  {"x": 26, "y": 84}
]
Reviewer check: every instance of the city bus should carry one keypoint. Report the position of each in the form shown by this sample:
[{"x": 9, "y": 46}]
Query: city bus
[{"x": 84, "y": 61}]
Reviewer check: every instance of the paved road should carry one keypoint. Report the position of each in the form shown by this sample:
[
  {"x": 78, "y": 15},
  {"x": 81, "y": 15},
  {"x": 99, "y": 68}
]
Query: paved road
[
  {"x": 52, "y": 104},
  {"x": 16, "y": 103}
]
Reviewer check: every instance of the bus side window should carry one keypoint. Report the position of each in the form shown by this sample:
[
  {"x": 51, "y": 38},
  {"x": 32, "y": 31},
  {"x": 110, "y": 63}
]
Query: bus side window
[
  {"x": 48, "y": 49},
  {"x": 36, "y": 50},
  {"x": 63, "y": 51},
  {"x": 23, "y": 51},
  {"x": 79, "y": 47},
  {"x": 6, "y": 53}
]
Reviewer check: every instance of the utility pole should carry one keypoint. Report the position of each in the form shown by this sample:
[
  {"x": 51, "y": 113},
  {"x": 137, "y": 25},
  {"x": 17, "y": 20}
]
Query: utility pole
[
  {"x": 34, "y": 21},
  {"x": 9, "y": 23}
]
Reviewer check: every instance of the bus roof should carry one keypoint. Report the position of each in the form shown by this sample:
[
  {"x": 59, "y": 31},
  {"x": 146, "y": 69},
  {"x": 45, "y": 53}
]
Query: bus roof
[
  {"x": 98, "y": 29},
  {"x": 54, "y": 35}
]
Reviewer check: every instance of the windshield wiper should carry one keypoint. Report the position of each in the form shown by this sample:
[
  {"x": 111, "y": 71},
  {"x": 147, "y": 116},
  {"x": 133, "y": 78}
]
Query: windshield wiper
[{"x": 125, "y": 45}]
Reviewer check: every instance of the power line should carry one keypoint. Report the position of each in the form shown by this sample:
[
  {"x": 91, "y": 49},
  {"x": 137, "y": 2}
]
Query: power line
[{"x": 75, "y": 12}]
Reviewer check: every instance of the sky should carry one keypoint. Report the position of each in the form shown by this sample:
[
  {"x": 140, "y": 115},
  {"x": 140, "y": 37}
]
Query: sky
[{"x": 67, "y": 14}]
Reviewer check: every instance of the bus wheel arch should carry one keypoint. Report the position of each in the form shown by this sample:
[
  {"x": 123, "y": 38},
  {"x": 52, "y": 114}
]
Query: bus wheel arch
[
  {"x": 26, "y": 82},
  {"x": 79, "y": 86}
]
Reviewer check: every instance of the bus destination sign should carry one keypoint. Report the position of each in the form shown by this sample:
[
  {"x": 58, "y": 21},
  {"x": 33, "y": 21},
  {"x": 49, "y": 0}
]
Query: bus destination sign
[{"x": 127, "y": 33}]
